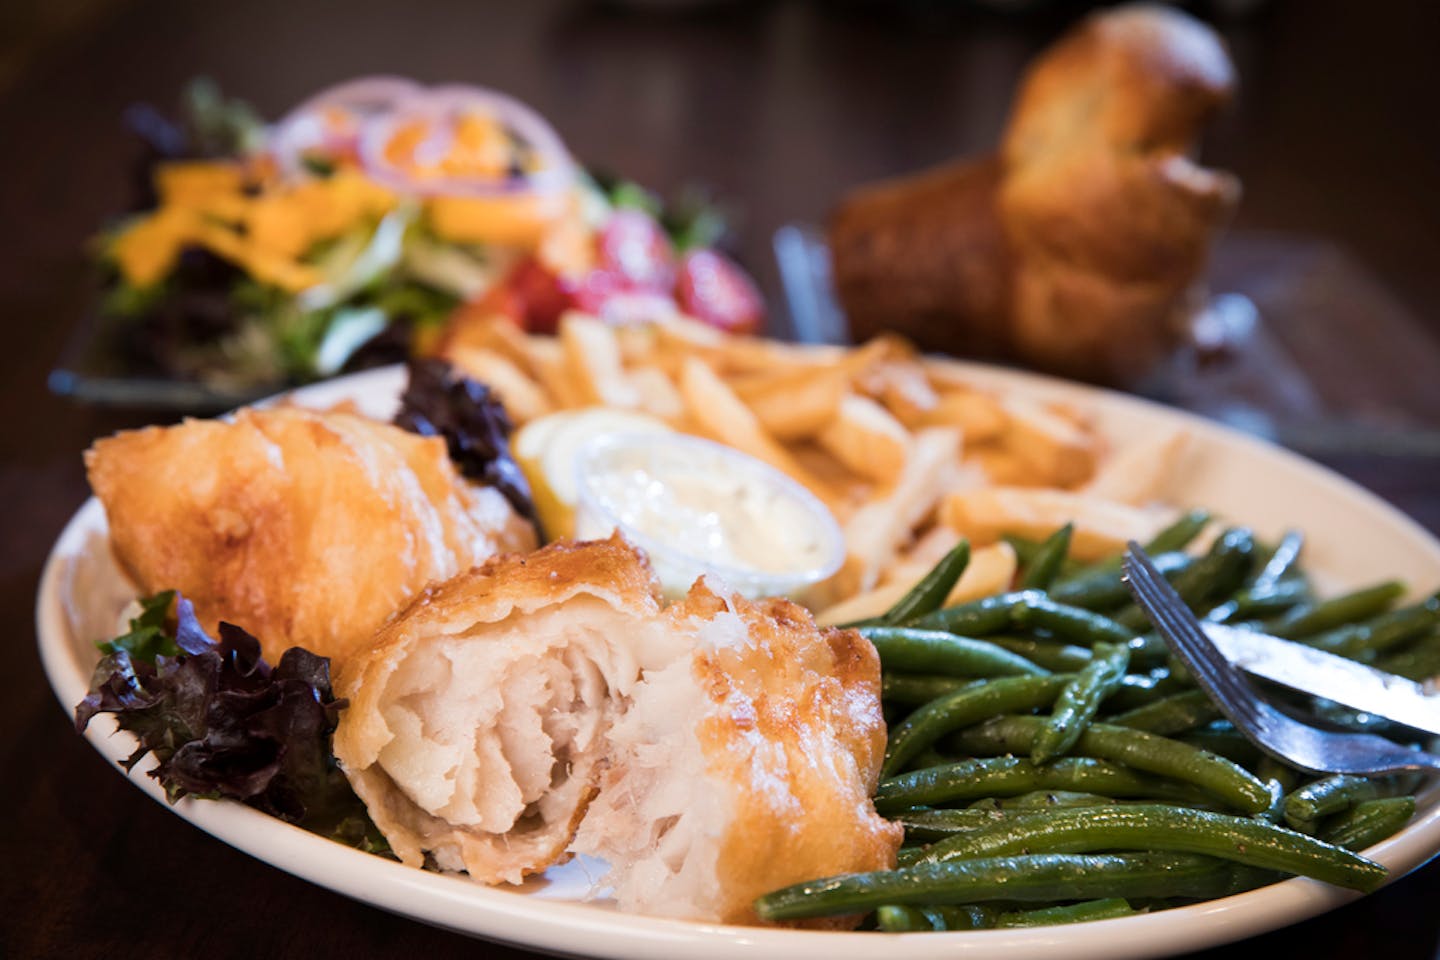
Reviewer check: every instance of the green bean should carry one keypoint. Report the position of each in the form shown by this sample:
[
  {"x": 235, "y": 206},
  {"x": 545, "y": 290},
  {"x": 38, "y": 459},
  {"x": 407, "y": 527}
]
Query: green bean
[
  {"x": 1276, "y": 811},
  {"x": 929, "y": 594},
  {"x": 1136, "y": 749},
  {"x": 1025, "y": 550},
  {"x": 1044, "y": 566},
  {"x": 974, "y": 619},
  {"x": 1027, "y": 610},
  {"x": 893, "y": 918},
  {"x": 1268, "y": 768},
  {"x": 1179, "y": 534},
  {"x": 1041, "y": 800},
  {"x": 1107, "y": 909},
  {"x": 925, "y": 825},
  {"x": 1380, "y": 633},
  {"x": 1080, "y": 700},
  {"x": 1420, "y": 661},
  {"x": 1280, "y": 562},
  {"x": 1213, "y": 577},
  {"x": 1309, "y": 619},
  {"x": 1104, "y": 588},
  {"x": 1223, "y": 740},
  {"x": 1050, "y": 654},
  {"x": 1369, "y": 822},
  {"x": 1034, "y": 611},
  {"x": 1255, "y": 602},
  {"x": 929, "y": 757},
  {"x": 932, "y": 651},
  {"x": 968, "y": 917},
  {"x": 964, "y": 707},
  {"x": 1138, "y": 689},
  {"x": 1008, "y": 776},
  {"x": 1165, "y": 828},
  {"x": 1042, "y": 878},
  {"x": 929, "y": 825},
  {"x": 916, "y": 689},
  {"x": 1335, "y": 794},
  {"x": 1174, "y": 714}
]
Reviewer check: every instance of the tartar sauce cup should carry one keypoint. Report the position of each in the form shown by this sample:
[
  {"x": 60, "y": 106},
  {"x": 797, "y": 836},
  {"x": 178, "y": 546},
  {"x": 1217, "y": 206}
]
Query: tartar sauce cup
[{"x": 697, "y": 507}]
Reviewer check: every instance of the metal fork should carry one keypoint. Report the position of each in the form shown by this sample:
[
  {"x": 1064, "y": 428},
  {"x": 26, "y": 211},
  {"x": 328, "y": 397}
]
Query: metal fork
[{"x": 1276, "y": 733}]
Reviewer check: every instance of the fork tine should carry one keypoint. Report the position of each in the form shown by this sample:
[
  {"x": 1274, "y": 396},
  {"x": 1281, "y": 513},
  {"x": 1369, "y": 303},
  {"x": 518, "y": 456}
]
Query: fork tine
[
  {"x": 1217, "y": 675},
  {"x": 1279, "y": 735}
]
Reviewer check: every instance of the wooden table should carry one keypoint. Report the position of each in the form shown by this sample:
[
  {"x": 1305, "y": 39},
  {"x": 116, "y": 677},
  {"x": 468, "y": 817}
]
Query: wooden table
[{"x": 778, "y": 105}]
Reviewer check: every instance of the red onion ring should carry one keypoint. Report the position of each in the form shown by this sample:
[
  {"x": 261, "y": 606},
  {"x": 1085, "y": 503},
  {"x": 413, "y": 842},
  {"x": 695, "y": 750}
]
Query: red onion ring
[
  {"x": 302, "y": 129},
  {"x": 439, "y": 106}
]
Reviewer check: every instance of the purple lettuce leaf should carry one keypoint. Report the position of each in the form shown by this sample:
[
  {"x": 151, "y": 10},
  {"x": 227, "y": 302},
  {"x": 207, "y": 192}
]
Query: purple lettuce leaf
[{"x": 223, "y": 724}]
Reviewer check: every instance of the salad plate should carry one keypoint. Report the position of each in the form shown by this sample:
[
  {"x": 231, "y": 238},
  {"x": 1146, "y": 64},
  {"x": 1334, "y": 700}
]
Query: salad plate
[{"x": 1352, "y": 537}]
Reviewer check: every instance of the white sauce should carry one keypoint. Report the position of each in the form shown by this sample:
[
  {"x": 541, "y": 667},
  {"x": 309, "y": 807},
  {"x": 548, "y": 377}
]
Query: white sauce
[{"x": 720, "y": 512}]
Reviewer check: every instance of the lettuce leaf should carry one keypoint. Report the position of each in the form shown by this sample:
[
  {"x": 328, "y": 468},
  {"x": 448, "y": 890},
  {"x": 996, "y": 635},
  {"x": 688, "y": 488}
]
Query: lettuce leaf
[
  {"x": 223, "y": 724},
  {"x": 440, "y": 402}
]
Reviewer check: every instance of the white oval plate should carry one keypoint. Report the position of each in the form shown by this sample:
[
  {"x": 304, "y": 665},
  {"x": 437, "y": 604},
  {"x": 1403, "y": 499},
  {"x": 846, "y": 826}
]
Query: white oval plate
[{"x": 1353, "y": 538}]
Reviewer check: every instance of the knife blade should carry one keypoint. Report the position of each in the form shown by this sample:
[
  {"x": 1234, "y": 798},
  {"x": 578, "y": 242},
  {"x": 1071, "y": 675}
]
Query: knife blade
[{"x": 1312, "y": 671}]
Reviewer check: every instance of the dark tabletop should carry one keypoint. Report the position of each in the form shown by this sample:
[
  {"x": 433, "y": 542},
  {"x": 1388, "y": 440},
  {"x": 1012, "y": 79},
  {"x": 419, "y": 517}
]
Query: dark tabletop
[{"x": 779, "y": 107}]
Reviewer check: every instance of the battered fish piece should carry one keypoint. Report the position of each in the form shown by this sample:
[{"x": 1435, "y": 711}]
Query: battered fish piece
[
  {"x": 476, "y": 724},
  {"x": 744, "y": 765},
  {"x": 722, "y": 748},
  {"x": 306, "y": 528}
]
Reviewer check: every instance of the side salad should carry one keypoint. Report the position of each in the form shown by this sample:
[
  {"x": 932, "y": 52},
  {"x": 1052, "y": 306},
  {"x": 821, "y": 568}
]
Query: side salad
[{"x": 371, "y": 218}]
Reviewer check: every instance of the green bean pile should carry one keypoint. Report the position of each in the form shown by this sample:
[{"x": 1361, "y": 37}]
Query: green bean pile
[{"x": 1050, "y": 762}]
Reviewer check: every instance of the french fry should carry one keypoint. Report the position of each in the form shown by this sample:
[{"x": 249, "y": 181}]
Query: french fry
[
  {"x": 1137, "y": 473},
  {"x": 903, "y": 387},
  {"x": 876, "y": 531},
  {"x": 991, "y": 570},
  {"x": 722, "y": 416},
  {"x": 928, "y": 550},
  {"x": 1002, "y": 466},
  {"x": 494, "y": 333},
  {"x": 749, "y": 355},
  {"x": 592, "y": 357},
  {"x": 1102, "y": 527},
  {"x": 524, "y": 399},
  {"x": 1061, "y": 453},
  {"x": 866, "y": 438},
  {"x": 862, "y": 606},
  {"x": 546, "y": 357},
  {"x": 980, "y": 417},
  {"x": 796, "y": 406},
  {"x": 657, "y": 394}
]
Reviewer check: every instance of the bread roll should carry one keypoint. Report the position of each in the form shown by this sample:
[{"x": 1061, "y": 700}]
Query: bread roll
[{"x": 1077, "y": 247}]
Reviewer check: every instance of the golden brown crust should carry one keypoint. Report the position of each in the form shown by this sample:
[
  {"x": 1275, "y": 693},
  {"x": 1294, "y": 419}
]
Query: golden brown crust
[
  {"x": 798, "y": 706},
  {"x": 1075, "y": 249},
  {"x": 305, "y": 528}
]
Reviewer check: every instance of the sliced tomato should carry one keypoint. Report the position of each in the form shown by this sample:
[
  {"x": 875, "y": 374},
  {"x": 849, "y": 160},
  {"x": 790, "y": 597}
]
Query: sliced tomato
[
  {"x": 541, "y": 294},
  {"x": 715, "y": 289},
  {"x": 635, "y": 250}
]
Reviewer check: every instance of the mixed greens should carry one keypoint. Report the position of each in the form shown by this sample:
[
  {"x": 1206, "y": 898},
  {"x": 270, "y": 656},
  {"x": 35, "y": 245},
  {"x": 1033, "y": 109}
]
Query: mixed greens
[{"x": 262, "y": 256}]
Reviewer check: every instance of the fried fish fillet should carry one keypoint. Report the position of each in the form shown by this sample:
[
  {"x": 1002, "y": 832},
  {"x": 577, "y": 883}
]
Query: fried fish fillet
[
  {"x": 744, "y": 765},
  {"x": 476, "y": 722},
  {"x": 306, "y": 528},
  {"x": 723, "y": 748}
]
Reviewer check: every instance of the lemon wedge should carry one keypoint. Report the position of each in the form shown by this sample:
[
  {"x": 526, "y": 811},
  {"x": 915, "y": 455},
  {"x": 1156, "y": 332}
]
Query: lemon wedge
[{"x": 546, "y": 448}]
